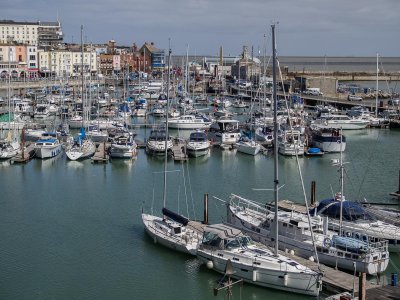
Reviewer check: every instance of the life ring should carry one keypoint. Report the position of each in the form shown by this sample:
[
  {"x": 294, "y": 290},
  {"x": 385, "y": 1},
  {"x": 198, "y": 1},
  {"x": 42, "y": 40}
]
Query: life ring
[{"x": 327, "y": 242}]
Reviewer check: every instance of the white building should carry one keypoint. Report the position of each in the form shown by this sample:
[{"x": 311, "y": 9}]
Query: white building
[
  {"x": 31, "y": 33},
  {"x": 66, "y": 62}
]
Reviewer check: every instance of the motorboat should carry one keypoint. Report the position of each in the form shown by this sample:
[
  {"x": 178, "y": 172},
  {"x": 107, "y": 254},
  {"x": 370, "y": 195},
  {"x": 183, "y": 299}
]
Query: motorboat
[
  {"x": 123, "y": 146},
  {"x": 198, "y": 144},
  {"x": 328, "y": 139},
  {"x": 189, "y": 122},
  {"x": 290, "y": 143},
  {"x": 96, "y": 135},
  {"x": 340, "y": 122},
  {"x": 48, "y": 146},
  {"x": 254, "y": 262},
  {"x": 156, "y": 142},
  {"x": 225, "y": 131}
]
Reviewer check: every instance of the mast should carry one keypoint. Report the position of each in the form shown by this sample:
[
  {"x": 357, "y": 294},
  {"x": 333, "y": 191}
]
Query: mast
[
  {"x": 166, "y": 125},
  {"x": 276, "y": 180},
  {"x": 377, "y": 86},
  {"x": 83, "y": 102},
  {"x": 341, "y": 182}
]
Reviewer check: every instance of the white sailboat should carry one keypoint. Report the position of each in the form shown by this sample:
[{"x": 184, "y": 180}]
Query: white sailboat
[
  {"x": 82, "y": 146},
  {"x": 172, "y": 230},
  {"x": 255, "y": 263}
]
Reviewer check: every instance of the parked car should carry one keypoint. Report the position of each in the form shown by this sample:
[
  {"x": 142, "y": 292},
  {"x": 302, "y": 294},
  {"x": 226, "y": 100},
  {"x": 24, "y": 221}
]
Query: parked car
[{"x": 354, "y": 98}]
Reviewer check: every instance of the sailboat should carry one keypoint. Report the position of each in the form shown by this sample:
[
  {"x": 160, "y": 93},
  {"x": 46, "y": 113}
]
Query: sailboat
[
  {"x": 81, "y": 147},
  {"x": 253, "y": 262},
  {"x": 309, "y": 237},
  {"x": 172, "y": 230}
]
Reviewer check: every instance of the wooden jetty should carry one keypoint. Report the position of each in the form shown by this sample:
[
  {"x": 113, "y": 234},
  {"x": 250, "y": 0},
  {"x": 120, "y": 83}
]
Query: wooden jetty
[
  {"x": 101, "y": 156},
  {"x": 179, "y": 150},
  {"x": 25, "y": 155}
]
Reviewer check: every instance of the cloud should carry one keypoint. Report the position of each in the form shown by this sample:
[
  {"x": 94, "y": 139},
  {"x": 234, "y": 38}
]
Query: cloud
[{"x": 306, "y": 27}]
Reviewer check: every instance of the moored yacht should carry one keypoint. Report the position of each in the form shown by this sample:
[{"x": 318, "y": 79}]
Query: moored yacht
[
  {"x": 340, "y": 122},
  {"x": 189, "y": 122},
  {"x": 156, "y": 142},
  {"x": 225, "y": 131},
  {"x": 328, "y": 139},
  {"x": 253, "y": 262},
  {"x": 123, "y": 146},
  {"x": 371, "y": 257},
  {"x": 198, "y": 144},
  {"x": 47, "y": 147}
]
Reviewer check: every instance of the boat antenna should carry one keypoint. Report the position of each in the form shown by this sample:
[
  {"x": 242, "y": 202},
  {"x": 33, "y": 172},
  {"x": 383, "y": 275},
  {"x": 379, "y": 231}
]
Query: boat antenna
[
  {"x": 276, "y": 179},
  {"x": 166, "y": 124}
]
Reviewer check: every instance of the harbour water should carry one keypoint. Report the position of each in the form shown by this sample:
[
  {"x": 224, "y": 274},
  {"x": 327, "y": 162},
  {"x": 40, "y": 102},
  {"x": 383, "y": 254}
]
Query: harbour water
[{"x": 73, "y": 230}]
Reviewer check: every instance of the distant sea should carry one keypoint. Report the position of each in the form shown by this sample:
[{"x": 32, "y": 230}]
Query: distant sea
[{"x": 318, "y": 63}]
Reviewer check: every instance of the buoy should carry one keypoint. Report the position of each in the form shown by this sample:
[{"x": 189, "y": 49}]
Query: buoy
[{"x": 210, "y": 264}]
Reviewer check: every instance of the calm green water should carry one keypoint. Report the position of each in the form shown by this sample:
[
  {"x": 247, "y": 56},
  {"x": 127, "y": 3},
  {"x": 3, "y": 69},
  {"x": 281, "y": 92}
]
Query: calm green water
[{"x": 72, "y": 230}]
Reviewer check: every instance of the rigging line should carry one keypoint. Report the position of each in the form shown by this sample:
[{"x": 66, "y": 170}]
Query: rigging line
[
  {"x": 190, "y": 189},
  {"x": 184, "y": 186},
  {"x": 298, "y": 168}
]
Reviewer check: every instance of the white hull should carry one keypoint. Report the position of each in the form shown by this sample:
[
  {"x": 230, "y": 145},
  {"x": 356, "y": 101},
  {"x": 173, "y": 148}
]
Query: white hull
[
  {"x": 87, "y": 150},
  {"x": 117, "y": 151},
  {"x": 196, "y": 149},
  {"x": 158, "y": 147},
  {"x": 290, "y": 149},
  {"x": 330, "y": 146},
  {"x": 47, "y": 151},
  {"x": 159, "y": 230},
  {"x": 302, "y": 245},
  {"x": 251, "y": 148}
]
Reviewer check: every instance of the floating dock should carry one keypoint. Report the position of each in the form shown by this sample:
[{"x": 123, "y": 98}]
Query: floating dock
[
  {"x": 25, "y": 155},
  {"x": 101, "y": 156}
]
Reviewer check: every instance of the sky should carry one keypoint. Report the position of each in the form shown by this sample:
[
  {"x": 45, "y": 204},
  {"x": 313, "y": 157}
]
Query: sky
[{"x": 201, "y": 27}]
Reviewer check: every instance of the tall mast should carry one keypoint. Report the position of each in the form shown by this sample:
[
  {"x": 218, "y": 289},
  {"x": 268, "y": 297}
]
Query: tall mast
[
  {"x": 276, "y": 180},
  {"x": 83, "y": 102},
  {"x": 377, "y": 85},
  {"x": 166, "y": 124}
]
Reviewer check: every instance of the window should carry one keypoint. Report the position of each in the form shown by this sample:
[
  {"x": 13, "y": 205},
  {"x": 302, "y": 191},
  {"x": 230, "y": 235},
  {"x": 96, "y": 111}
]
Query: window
[{"x": 32, "y": 57}]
